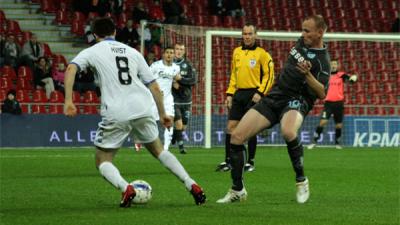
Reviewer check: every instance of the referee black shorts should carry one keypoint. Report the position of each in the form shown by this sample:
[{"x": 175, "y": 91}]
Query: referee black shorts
[
  {"x": 241, "y": 103},
  {"x": 333, "y": 108},
  {"x": 273, "y": 107}
]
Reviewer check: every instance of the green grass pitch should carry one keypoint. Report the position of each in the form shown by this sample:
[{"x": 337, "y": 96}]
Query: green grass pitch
[{"x": 62, "y": 186}]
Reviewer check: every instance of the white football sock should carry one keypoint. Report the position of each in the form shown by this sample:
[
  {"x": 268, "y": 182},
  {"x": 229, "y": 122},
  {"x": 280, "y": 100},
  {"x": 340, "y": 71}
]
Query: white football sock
[
  {"x": 172, "y": 163},
  {"x": 112, "y": 175},
  {"x": 168, "y": 137}
]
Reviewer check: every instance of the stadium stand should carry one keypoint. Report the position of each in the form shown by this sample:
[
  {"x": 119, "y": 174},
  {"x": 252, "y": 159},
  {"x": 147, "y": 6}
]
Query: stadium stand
[{"x": 347, "y": 16}]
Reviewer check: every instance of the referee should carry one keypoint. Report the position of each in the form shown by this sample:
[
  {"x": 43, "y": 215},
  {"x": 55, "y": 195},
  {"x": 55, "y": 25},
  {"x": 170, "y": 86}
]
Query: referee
[
  {"x": 334, "y": 104},
  {"x": 182, "y": 92},
  {"x": 252, "y": 76}
]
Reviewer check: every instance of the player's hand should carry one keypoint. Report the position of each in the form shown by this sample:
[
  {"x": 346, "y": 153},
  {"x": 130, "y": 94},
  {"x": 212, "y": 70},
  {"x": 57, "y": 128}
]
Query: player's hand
[
  {"x": 304, "y": 67},
  {"x": 175, "y": 85},
  {"x": 166, "y": 121},
  {"x": 353, "y": 78},
  {"x": 70, "y": 109},
  {"x": 178, "y": 77},
  {"x": 256, "y": 98},
  {"x": 228, "y": 102}
]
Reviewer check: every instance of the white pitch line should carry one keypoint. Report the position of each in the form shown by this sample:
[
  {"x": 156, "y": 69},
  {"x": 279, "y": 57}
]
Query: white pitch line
[{"x": 44, "y": 156}]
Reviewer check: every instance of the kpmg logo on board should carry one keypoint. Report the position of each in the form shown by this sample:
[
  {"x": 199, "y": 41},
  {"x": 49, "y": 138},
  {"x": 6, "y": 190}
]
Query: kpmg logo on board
[{"x": 380, "y": 132}]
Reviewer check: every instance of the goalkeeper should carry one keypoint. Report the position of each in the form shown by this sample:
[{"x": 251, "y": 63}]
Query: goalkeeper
[{"x": 334, "y": 104}]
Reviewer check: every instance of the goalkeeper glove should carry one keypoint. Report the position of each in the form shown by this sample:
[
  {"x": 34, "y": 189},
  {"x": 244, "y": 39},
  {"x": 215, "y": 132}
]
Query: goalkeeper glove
[{"x": 353, "y": 78}]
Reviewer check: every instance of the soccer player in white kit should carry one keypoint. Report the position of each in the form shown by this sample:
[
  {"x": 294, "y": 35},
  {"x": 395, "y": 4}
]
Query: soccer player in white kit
[
  {"x": 167, "y": 72},
  {"x": 126, "y": 107}
]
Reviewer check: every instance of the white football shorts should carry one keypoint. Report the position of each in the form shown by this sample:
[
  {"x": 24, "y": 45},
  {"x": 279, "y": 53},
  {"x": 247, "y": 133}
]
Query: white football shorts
[
  {"x": 168, "y": 106},
  {"x": 112, "y": 135}
]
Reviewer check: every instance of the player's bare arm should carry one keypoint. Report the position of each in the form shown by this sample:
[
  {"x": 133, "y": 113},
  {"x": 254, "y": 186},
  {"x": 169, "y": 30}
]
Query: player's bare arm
[
  {"x": 69, "y": 107},
  {"x": 304, "y": 68}
]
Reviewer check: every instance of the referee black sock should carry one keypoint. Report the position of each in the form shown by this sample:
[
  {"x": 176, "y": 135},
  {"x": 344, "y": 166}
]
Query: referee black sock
[
  {"x": 295, "y": 150},
  {"x": 252, "y": 145},
  {"x": 317, "y": 133},
  {"x": 238, "y": 156},
  {"x": 338, "y": 134},
  {"x": 227, "y": 147},
  {"x": 179, "y": 138}
]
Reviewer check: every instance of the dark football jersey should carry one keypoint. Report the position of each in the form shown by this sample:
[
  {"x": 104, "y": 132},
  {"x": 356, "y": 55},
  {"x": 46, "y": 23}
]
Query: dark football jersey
[
  {"x": 293, "y": 83},
  {"x": 189, "y": 78}
]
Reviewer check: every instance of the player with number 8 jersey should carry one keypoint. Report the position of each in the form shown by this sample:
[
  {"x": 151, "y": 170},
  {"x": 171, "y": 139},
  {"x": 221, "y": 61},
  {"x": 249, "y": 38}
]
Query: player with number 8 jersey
[
  {"x": 126, "y": 107},
  {"x": 124, "y": 95}
]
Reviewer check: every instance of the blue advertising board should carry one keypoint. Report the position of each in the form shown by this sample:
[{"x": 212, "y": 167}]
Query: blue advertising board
[{"x": 58, "y": 130}]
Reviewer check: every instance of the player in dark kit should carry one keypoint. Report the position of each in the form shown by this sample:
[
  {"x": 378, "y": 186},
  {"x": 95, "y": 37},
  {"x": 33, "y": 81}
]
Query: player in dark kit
[
  {"x": 334, "y": 104},
  {"x": 252, "y": 76},
  {"x": 182, "y": 92},
  {"x": 303, "y": 79}
]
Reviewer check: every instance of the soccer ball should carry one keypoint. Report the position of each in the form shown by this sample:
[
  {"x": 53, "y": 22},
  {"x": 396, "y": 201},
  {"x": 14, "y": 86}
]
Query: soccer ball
[{"x": 143, "y": 191}]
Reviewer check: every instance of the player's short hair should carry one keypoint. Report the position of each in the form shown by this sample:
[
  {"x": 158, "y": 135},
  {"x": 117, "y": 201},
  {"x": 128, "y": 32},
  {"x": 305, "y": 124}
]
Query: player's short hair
[
  {"x": 251, "y": 25},
  {"x": 103, "y": 27},
  {"x": 319, "y": 21},
  {"x": 180, "y": 43},
  {"x": 168, "y": 47}
]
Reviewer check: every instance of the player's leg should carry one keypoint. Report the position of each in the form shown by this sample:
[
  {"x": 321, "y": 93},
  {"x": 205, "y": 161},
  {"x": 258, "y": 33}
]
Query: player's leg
[
  {"x": 338, "y": 115},
  {"x": 170, "y": 110},
  {"x": 109, "y": 137},
  {"x": 252, "y": 123},
  {"x": 251, "y": 148},
  {"x": 325, "y": 115},
  {"x": 226, "y": 165},
  {"x": 179, "y": 135},
  {"x": 146, "y": 130},
  {"x": 167, "y": 137},
  {"x": 186, "y": 111},
  {"x": 290, "y": 124}
]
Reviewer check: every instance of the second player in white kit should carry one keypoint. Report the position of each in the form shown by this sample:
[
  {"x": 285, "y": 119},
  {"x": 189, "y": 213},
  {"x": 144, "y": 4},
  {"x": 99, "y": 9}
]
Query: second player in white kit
[{"x": 166, "y": 72}]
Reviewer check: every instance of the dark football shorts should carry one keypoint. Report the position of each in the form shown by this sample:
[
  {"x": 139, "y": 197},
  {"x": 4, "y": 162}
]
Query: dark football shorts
[
  {"x": 335, "y": 108},
  {"x": 241, "y": 103},
  {"x": 273, "y": 107},
  {"x": 183, "y": 112}
]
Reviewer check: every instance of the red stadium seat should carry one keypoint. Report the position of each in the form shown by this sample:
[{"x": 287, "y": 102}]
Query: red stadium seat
[
  {"x": 214, "y": 21},
  {"x": 8, "y": 71},
  {"x": 198, "y": 9},
  {"x": 76, "y": 97},
  {"x": 23, "y": 96},
  {"x": 6, "y": 83},
  {"x": 3, "y": 94},
  {"x": 56, "y": 97},
  {"x": 47, "y": 51},
  {"x": 56, "y": 109},
  {"x": 79, "y": 16},
  {"x": 47, "y": 6},
  {"x": 229, "y": 21},
  {"x": 62, "y": 17},
  {"x": 389, "y": 88},
  {"x": 39, "y": 96},
  {"x": 38, "y": 109},
  {"x": 24, "y": 108},
  {"x": 24, "y": 84},
  {"x": 200, "y": 20},
  {"x": 25, "y": 72},
  {"x": 89, "y": 109},
  {"x": 90, "y": 97},
  {"x": 77, "y": 27},
  {"x": 13, "y": 27}
]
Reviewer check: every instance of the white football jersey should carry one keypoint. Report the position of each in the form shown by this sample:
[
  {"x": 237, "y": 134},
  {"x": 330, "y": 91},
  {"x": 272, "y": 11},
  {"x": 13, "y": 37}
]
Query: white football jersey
[
  {"x": 122, "y": 73},
  {"x": 165, "y": 76}
]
